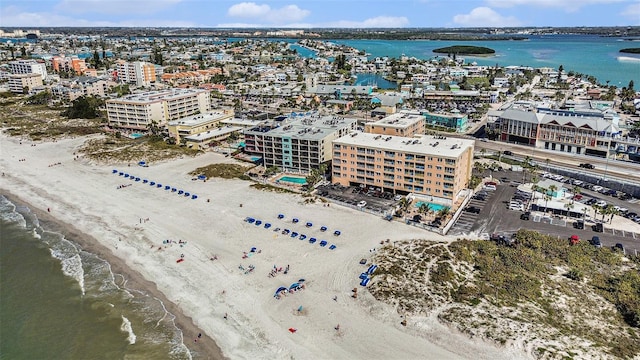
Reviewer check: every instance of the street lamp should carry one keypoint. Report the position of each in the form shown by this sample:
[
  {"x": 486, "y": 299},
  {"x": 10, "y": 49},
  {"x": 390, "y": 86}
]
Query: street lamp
[{"x": 606, "y": 166}]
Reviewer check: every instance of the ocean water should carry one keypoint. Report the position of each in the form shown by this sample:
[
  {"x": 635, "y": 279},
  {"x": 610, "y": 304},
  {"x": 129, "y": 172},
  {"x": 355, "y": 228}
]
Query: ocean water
[
  {"x": 58, "y": 302},
  {"x": 587, "y": 54}
]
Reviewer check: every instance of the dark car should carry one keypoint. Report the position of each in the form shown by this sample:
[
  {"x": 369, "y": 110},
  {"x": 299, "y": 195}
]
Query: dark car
[
  {"x": 595, "y": 241},
  {"x": 586, "y": 166},
  {"x": 525, "y": 216},
  {"x": 618, "y": 246},
  {"x": 598, "y": 228},
  {"x": 472, "y": 209},
  {"x": 507, "y": 152},
  {"x": 625, "y": 197},
  {"x": 578, "y": 225},
  {"x": 479, "y": 197}
]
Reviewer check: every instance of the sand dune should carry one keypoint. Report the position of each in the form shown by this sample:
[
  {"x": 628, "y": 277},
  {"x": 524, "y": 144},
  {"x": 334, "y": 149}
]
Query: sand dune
[{"x": 87, "y": 195}]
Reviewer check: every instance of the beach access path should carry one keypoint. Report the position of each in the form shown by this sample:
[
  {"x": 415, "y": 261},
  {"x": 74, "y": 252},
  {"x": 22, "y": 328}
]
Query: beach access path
[{"x": 236, "y": 308}]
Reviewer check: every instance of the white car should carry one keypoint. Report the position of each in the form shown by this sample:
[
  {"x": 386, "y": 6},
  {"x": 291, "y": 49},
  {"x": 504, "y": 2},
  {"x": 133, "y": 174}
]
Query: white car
[
  {"x": 597, "y": 188},
  {"x": 601, "y": 203},
  {"x": 397, "y": 198},
  {"x": 362, "y": 204},
  {"x": 516, "y": 206}
]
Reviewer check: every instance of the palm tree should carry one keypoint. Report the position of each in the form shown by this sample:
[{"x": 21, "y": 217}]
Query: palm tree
[
  {"x": 568, "y": 206},
  {"x": 424, "y": 209},
  {"x": 547, "y": 197},
  {"x": 552, "y": 189},
  {"x": 576, "y": 190},
  {"x": 444, "y": 212},
  {"x": 609, "y": 210},
  {"x": 404, "y": 204},
  {"x": 547, "y": 161}
]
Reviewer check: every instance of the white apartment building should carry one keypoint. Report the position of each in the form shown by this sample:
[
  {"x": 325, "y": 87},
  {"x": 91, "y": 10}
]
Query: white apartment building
[
  {"x": 28, "y": 67},
  {"x": 138, "y": 73},
  {"x": 138, "y": 111}
]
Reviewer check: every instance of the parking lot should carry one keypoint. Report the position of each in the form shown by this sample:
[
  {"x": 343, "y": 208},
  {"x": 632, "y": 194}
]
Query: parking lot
[{"x": 367, "y": 199}]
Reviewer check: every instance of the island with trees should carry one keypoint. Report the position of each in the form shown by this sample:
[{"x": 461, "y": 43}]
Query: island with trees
[
  {"x": 465, "y": 50},
  {"x": 630, "y": 50}
]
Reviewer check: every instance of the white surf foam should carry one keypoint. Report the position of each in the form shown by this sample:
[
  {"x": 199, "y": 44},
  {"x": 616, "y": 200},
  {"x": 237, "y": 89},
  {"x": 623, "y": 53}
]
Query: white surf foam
[
  {"x": 126, "y": 327},
  {"x": 71, "y": 266},
  {"x": 628, "y": 59}
]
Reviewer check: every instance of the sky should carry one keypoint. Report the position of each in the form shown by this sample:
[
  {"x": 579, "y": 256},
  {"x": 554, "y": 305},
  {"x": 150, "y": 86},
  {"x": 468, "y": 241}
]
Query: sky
[{"x": 319, "y": 13}]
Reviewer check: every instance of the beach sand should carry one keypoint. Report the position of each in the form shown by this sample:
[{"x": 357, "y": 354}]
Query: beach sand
[{"x": 129, "y": 227}]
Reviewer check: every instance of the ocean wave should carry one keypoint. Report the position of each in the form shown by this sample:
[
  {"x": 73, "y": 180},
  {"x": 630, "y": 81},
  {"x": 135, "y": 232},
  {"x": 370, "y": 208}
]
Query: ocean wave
[
  {"x": 628, "y": 59},
  {"x": 9, "y": 214},
  {"x": 126, "y": 327},
  {"x": 71, "y": 266}
]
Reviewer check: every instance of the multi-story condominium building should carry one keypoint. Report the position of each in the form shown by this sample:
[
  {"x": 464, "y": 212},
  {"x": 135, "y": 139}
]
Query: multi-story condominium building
[
  {"x": 22, "y": 83},
  {"x": 138, "y": 111},
  {"x": 299, "y": 146},
  {"x": 196, "y": 124},
  {"x": 206, "y": 139},
  {"x": 190, "y": 77},
  {"x": 405, "y": 123},
  {"x": 572, "y": 134},
  {"x": 458, "y": 122},
  {"x": 435, "y": 167},
  {"x": 28, "y": 67},
  {"x": 138, "y": 73},
  {"x": 69, "y": 64}
]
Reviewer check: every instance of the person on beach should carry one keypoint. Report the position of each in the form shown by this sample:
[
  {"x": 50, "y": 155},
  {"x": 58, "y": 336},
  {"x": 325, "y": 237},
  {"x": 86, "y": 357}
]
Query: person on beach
[{"x": 225, "y": 316}]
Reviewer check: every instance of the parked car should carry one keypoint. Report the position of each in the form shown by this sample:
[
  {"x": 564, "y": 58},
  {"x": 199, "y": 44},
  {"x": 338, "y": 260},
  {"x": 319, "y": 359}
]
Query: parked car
[
  {"x": 598, "y": 228},
  {"x": 586, "y": 166},
  {"x": 625, "y": 196},
  {"x": 597, "y": 188},
  {"x": 618, "y": 246},
  {"x": 516, "y": 206},
  {"x": 574, "y": 239},
  {"x": 472, "y": 209},
  {"x": 578, "y": 225},
  {"x": 362, "y": 204},
  {"x": 479, "y": 197},
  {"x": 397, "y": 198},
  {"x": 507, "y": 152},
  {"x": 525, "y": 216},
  {"x": 595, "y": 241},
  {"x": 489, "y": 187}
]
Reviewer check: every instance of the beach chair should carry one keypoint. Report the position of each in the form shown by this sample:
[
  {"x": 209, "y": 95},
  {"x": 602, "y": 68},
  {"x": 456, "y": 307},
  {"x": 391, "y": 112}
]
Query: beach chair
[
  {"x": 158, "y": 185},
  {"x": 332, "y": 247},
  {"x": 323, "y": 228},
  {"x": 294, "y": 234},
  {"x": 309, "y": 224},
  {"x": 323, "y": 243},
  {"x": 145, "y": 181},
  {"x": 187, "y": 194},
  {"x": 258, "y": 222},
  {"x": 295, "y": 220},
  {"x": 152, "y": 183},
  {"x": 114, "y": 171},
  {"x": 280, "y": 216},
  {"x": 302, "y": 236},
  {"x": 337, "y": 233},
  {"x": 312, "y": 240},
  {"x": 267, "y": 225}
]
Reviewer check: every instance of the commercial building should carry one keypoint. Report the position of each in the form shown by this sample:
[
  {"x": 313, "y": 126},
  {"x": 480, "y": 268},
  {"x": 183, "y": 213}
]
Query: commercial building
[
  {"x": 22, "y": 83},
  {"x": 138, "y": 111},
  {"x": 28, "y": 67},
  {"x": 196, "y": 124},
  {"x": 204, "y": 140},
  {"x": 459, "y": 122},
  {"x": 405, "y": 123},
  {"x": 560, "y": 131},
  {"x": 138, "y": 73},
  {"x": 435, "y": 167},
  {"x": 300, "y": 145}
]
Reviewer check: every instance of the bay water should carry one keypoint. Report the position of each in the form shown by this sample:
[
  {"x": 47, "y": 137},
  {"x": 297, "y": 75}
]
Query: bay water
[{"x": 59, "y": 302}]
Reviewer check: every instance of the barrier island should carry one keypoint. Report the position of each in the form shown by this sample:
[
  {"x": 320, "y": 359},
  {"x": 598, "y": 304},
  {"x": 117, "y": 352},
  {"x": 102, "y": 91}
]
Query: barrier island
[
  {"x": 630, "y": 50},
  {"x": 465, "y": 50}
]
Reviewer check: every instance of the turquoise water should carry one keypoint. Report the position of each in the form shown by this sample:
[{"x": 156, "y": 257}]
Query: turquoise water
[
  {"x": 604, "y": 61},
  {"x": 136, "y": 135},
  {"x": 293, "y": 179},
  {"x": 434, "y": 207},
  {"x": 60, "y": 302},
  {"x": 365, "y": 79}
]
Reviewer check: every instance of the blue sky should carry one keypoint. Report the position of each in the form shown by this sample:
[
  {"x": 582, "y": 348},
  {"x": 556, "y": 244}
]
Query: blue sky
[{"x": 319, "y": 13}]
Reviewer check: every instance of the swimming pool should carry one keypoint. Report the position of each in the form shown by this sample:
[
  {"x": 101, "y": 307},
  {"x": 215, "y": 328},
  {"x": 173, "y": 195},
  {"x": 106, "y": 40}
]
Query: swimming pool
[
  {"x": 294, "y": 179},
  {"x": 432, "y": 206},
  {"x": 136, "y": 135}
]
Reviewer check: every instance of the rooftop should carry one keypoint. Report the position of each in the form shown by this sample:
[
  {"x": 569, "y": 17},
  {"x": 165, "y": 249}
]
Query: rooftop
[
  {"x": 211, "y": 134},
  {"x": 311, "y": 127},
  {"x": 426, "y": 144},
  {"x": 198, "y": 119},
  {"x": 153, "y": 96},
  {"x": 399, "y": 120}
]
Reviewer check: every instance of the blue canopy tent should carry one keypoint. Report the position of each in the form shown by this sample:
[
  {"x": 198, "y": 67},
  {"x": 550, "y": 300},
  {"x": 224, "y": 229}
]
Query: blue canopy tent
[
  {"x": 267, "y": 225},
  {"x": 258, "y": 222},
  {"x": 280, "y": 289},
  {"x": 323, "y": 228},
  {"x": 323, "y": 243},
  {"x": 302, "y": 237},
  {"x": 187, "y": 194},
  {"x": 250, "y": 220},
  {"x": 193, "y": 197},
  {"x": 280, "y": 216},
  {"x": 180, "y": 192},
  {"x": 145, "y": 181},
  {"x": 337, "y": 233},
  {"x": 158, "y": 185},
  {"x": 126, "y": 175},
  {"x": 309, "y": 224},
  {"x": 120, "y": 173},
  {"x": 254, "y": 249},
  {"x": 312, "y": 240},
  {"x": 152, "y": 183},
  {"x": 285, "y": 231},
  {"x": 294, "y": 286},
  {"x": 142, "y": 163},
  {"x": 114, "y": 171},
  {"x": 294, "y": 234},
  {"x": 295, "y": 220},
  {"x": 137, "y": 179},
  {"x": 167, "y": 187},
  {"x": 202, "y": 177},
  {"x": 332, "y": 247}
]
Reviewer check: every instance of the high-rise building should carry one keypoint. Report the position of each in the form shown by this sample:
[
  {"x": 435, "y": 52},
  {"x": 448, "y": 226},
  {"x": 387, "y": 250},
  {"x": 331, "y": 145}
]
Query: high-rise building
[
  {"x": 69, "y": 64},
  {"x": 22, "y": 83},
  {"x": 28, "y": 67},
  {"x": 138, "y": 111},
  {"x": 138, "y": 73}
]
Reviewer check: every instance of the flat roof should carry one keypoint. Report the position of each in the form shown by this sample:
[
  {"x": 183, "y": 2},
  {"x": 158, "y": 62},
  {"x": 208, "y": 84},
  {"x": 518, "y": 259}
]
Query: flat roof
[
  {"x": 441, "y": 146},
  {"x": 153, "y": 96},
  {"x": 210, "y": 134},
  {"x": 312, "y": 127},
  {"x": 399, "y": 120},
  {"x": 242, "y": 122},
  {"x": 198, "y": 119}
]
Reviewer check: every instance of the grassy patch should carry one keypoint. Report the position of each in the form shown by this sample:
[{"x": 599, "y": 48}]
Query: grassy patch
[
  {"x": 225, "y": 171},
  {"x": 267, "y": 187}
]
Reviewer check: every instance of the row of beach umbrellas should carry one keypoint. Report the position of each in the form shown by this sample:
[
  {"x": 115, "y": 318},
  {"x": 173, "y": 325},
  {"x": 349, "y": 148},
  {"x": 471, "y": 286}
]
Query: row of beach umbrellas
[
  {"x": 293, "y": 234},
  {"x": 154, "y": 184},
  {"x": 310, "y": 224}
]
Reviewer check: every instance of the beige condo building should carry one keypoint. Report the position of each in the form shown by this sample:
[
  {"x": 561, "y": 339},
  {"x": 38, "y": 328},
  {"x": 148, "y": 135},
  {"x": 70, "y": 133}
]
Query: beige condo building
[
  {"x": 404, "y": 123},
  {"x": 432, "y": 166}
]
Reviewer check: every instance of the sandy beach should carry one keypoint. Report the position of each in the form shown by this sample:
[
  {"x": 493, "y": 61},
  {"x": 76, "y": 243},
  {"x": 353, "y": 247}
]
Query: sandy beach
[{"x": 235, "y": 308}]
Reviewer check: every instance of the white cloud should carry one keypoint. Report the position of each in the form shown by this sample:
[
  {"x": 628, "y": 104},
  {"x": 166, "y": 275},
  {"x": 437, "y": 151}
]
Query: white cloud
[
  {"x": 14, "y": 17},
  {"x": 283, "y": 15},
  {"x": 568, "y": 5},
  {"x": 115, "y": 6},
  {"x": 632, "y": 12},
  {"x": 485, "y": 17}
]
